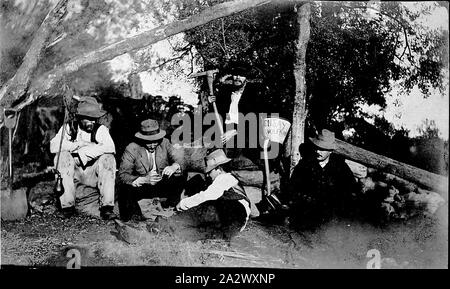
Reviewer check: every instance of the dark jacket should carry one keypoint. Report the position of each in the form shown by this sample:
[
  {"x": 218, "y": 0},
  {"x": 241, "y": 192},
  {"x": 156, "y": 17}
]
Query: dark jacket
[
  {"x": 136, "y": 163},
  {"x": 320, "y": 192}
]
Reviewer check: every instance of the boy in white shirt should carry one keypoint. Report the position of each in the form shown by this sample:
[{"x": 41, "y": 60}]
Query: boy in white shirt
[{"x": 225, "y": 193}]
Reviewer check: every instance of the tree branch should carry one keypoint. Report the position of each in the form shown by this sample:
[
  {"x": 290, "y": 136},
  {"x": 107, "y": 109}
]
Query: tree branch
[
  {"x": 18, "y": 85},
  {"x": 393, "y": 18},
  {"x": 165, "y": 62},
  {"x": 41, "y": 85}
]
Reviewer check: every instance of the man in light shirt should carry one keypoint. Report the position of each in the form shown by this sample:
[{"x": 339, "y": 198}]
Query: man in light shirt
[
  {"x": 86, "y": 158},
  {"x": 225, "y": 194},
  {"x": 148, "y": 169}
]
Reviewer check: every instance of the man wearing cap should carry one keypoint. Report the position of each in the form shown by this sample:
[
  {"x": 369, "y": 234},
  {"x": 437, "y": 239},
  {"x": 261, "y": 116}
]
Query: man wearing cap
[
  {"x": 86, "y": 158},
  {"x": 322, "y": 184},
  {"x": 225, "y": 193},
  {"x": 148, "y": 169}
]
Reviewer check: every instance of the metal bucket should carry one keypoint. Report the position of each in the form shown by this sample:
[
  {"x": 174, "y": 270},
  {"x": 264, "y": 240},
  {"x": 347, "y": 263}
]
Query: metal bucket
[{"x": 276, "y": 129}]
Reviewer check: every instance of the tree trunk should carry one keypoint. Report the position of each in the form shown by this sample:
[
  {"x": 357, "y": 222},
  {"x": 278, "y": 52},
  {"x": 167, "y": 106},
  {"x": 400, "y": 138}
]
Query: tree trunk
[
  {"x": 134, "y": 81},
  {"x": 299, "y": 114},
  {"x": 18, "y": 85},
  {"x": 424, "y": 178},
  {"x": 41, "y": 85}
]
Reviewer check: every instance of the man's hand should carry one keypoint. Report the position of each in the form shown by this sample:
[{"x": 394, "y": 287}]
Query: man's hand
[
  {"x": 212, "y": 98},
  {"x": 178, "y": 207},
  {"x": 153, "y": 178},
  {"x": 82, "y": 143},
  {"x": 170, "y": 170},
  {"x": 77, "y": 159},
  {"x": 139, "y": 182}
]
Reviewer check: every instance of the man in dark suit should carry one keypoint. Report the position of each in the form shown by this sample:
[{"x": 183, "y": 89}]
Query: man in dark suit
[
  {"x": 148, "y": 169},
  {"x": 322, "y": 185}
]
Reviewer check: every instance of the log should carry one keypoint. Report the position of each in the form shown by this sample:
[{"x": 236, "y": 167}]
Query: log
[
  {"x": 42, "y": 84},
  {"x": 424, "y": 178},
  {"x": 256, "y": 178},
  {"x": 396, "y": 181},
  {"x": 428, "y": 202},
  {"x": 243, "y": 256}
]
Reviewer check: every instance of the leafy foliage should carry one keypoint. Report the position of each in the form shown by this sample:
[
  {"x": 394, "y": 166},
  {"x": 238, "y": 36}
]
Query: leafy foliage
[{"x": 352, "y": 57}]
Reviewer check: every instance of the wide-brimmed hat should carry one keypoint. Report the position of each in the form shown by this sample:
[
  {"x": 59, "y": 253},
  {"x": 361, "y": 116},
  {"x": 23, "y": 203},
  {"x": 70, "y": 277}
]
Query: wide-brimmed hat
[
  {"x": 88, "y": 106},
  {"x": 215, "y": 159},
  {"x": 150, "y": 131},
  {"x": 325, "y": 140}
]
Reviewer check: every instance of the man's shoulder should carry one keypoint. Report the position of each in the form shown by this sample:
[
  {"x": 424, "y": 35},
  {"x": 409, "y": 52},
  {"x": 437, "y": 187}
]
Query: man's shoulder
[
  {"x": 165, "y": 141},
  {"x": 337, "y": 159},
  {"x": 226, "y": 179},
  {"x": 133, "y": 146},
  {"x": 306, "y": 163}
]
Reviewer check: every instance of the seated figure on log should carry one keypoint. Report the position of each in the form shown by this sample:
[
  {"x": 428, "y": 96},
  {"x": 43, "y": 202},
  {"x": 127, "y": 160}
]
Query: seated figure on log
[
  {"x": 224, "y": 196},
  {"x": 86, "y": 159},
  {"x": 322, "y": 185},
  {"x": 148, "y": 169}
]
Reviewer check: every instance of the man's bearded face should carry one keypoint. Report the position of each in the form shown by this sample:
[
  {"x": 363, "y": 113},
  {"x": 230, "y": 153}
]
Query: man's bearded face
[
  {"x": 87, "y": 124},
  {"x": 238, "y": 81}
]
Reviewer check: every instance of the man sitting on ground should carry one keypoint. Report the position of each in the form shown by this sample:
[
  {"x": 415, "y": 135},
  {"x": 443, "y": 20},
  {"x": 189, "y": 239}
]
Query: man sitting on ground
[
  {"x": 148, "y": 169},
  {"x": 225, "y": 194},
  {"x": 86, "y": 158},
  {"x": 322, "y": 184}
]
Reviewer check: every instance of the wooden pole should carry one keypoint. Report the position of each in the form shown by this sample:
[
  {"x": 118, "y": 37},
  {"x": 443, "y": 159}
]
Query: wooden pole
[
  {"x": 299, "y": 114},
  {"x": 429, "y": 180}
]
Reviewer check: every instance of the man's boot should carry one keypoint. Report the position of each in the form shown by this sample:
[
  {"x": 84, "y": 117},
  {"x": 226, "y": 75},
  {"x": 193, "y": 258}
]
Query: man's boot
[
  {"x": 107, "y": 213},
  {"x": 66, "y": 213}
]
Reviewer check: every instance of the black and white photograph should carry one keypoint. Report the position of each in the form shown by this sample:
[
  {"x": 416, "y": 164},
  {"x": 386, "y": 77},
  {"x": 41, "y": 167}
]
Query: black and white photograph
[{"x": 224, "y": 142}]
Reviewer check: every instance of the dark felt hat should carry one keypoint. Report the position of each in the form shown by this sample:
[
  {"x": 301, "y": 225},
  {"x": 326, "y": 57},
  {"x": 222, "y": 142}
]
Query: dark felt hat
[
  {"x": 215, "y": 159},
  {"x": 150, "y": 131},
  {"x": 89, "y": 107},
  {"x": 325, "y": 140}
]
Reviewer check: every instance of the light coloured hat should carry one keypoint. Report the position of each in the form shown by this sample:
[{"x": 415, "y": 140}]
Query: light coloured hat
[
  {"x": 325, "y": 140},
  {"x": 215, "y": 159},
  {"x": 150, "y": 131},
  {"x": 88, "y": 106}
]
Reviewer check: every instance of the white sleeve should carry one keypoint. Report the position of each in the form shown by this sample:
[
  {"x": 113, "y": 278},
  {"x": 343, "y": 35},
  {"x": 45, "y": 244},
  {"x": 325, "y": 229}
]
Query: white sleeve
[
  {"x": 66, "y": 145},
  {"x": 105, "y": 145},
  {"x": 213, "y": 192}
]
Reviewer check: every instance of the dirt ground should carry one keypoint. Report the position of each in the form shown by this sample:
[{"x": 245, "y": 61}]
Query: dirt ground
[{"x": 42, "y": 239}]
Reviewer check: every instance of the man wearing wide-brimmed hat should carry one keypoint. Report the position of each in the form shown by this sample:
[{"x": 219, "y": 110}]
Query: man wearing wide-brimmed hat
[
  {"x": 322, "y": 184},
  {"x": 86, "y": 159},
  {"x": 225, "y": 194},
  {"x": 148, "y": 169}
]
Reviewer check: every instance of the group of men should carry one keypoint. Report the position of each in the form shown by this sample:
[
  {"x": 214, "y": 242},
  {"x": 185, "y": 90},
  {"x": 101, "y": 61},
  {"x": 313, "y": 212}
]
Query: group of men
[{"x": 149, "y": 168}]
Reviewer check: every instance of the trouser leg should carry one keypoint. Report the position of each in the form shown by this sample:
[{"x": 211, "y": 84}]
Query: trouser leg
[
  {"x": 232, "y": 216},
  {"x": 170, "y": 188},
  {"x": 106, "y": 173},
  {"x": 66, "y": 167},
  {"x": 128, "y": 200},
  {"x": 194, "y": 185},
  {"x": 129, "y": 196}
]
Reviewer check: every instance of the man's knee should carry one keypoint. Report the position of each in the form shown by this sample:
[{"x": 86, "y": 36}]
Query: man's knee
[
  {"x": 108, "y": 162},
  {"x": 66, "y": 160}
]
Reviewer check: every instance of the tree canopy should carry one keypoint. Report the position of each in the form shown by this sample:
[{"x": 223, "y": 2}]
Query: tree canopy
[{"x": 355, "y": 55}]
